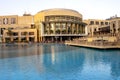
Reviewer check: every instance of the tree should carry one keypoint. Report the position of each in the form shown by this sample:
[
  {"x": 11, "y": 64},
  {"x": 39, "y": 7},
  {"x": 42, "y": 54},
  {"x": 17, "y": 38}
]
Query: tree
[
  {"x": 51, "y": 31},
  {"x": 58, "y": 31}
]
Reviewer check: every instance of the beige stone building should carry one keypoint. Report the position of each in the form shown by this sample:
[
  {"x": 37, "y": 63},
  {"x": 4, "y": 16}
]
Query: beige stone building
[
  {"x": 96, "y": 26},
  {"x": 53, "y": 25},
  {"x": 114, "y": 24},
  {"x": 59, "y": 25},
  {"x": 20, "y": 35},
  {"x": 17, "y": 28}
]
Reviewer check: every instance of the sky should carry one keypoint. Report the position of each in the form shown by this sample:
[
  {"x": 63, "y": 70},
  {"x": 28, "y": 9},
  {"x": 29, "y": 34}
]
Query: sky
[{"x": 90, "y": 9}]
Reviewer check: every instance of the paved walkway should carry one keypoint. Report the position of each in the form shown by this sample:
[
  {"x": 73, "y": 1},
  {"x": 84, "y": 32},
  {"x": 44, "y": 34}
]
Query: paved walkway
[{"x": 98, "y": 46}]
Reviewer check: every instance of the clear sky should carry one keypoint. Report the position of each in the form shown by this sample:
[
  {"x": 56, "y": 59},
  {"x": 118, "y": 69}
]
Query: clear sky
[{"x": 90, "y": 9}]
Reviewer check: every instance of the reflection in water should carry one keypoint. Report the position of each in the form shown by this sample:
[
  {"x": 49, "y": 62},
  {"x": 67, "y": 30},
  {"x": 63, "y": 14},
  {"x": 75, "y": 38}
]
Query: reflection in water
[
  {"x": 53, "y": 54},
  {"x": 59, "y": 62},
  {"x": 106, "y": 62}
]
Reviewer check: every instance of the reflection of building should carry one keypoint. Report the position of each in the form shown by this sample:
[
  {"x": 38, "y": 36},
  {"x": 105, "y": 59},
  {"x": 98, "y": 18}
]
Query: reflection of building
[
  {"x": 95, "y": 26},
  {"x": 59, "y": 24}
]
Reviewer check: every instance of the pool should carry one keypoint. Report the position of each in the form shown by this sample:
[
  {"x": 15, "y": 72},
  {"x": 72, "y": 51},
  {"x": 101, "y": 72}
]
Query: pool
[{"x": 58, "y": 62}]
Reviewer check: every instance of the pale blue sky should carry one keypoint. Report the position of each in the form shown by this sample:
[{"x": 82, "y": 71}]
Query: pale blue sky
[{"x": 90, "y": 9}]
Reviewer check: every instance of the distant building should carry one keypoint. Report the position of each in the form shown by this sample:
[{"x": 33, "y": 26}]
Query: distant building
[
  {"x": 59, "y": 25},
  {"x": 96, "y": 26},
  {"x": 53, "y": 25},
  {"x": 20, "y": 35},
  {"x": 114, "y": 24},
  {"x": 12, "y": 28}
]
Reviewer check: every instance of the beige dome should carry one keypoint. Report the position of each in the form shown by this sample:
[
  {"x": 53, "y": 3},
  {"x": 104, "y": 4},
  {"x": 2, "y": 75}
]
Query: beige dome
[{"x": 59, "y": 11}]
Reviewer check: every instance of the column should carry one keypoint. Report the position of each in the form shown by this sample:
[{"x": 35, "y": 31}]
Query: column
[
  {"x": 49, "y": 28},
  {"x": 19, "y": 36},
  {"x": 73, "y": 28},
  {"x": 66, "y": 28},
  {"x": 27, "y": 37},
  {"x": 77, "y": 29},
  {"x": 35, "y": 38},
  {"x": 60, "y": 28},
  {"x": 54, "y": 28}
]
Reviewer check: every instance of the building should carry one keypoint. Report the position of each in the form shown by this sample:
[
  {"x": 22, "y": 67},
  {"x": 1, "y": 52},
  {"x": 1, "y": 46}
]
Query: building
[
  {"x": 17, "y": 28},
  {"x": 59, "y": 25},
  {"x": 114, "y": 24},
  {"x": 20, "y": 35},
  {"x": 53, "y": 25},
  {"x": 96, "y": 26}
]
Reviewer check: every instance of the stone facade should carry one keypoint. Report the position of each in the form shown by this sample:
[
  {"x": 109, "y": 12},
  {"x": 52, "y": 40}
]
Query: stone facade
[
  {"x": 59, "y": 24},
  {"x": 96, "y": 26},
  {"x": 12, "y": 27}
]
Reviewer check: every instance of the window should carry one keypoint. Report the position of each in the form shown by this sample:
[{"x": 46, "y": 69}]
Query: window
[
  {"x": 106, "y": 23},
  {"x": 91, "y": 22},
  {"x": 52, "y": 18},
  {"x": 97, "y": 23},
  {"x": 31, "y": 33},
  {"x": 13, "y": 20},
  {"x": 57, "y": 18},
  {"x": 15, "y": 33},
  {"x": 72, "y": 18},
  {"x": 68, "y": 17},
  {"x": 5, "y": 20},
  {"x": 102, "y": 23},
  {"x": 46, "y": 18}
]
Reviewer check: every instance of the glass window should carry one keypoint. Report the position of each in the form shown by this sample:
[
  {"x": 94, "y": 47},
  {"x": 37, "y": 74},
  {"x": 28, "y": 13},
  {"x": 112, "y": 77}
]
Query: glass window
[
  {"x": 46, "y": 18},
  {"x": 106, "y": 23},
  {"x": 31, "y": 33},
  {"x": 97, "y": 23},
  {"x": 102, "y": 23},
  {"x": 91, "y": 22},
  {"x": 63, "y": 26},
  {"x": 57, "y": 26},
  {"x": 13, "y": 20},
  {"x": 72, "y": 18},
  {"x": 5, "y": 20},
  {"x": 68, "y": 17},
  {"x": 52, "y": 18},
  {"x": 15, "y": 33}
]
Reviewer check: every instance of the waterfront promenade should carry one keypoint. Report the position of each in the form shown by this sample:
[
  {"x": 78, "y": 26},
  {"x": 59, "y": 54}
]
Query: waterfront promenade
[
  {"x": 99, "y": 44},
  {"x": 93, "y": 45}
]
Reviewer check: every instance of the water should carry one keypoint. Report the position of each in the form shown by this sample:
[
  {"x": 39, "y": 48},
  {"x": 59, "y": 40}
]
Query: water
[{"x": 59, "y": 62}]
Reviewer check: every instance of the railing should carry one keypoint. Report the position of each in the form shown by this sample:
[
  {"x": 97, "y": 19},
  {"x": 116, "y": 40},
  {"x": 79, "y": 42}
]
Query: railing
[
  {"x": 97, "y": 41},
  {"x": 100, "y": 43},
  {"x": 64, "y": 35}
]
